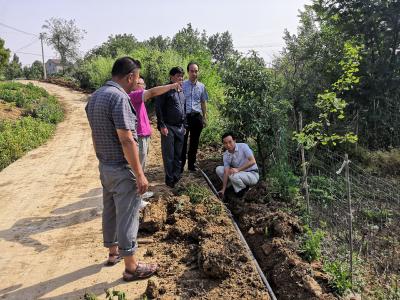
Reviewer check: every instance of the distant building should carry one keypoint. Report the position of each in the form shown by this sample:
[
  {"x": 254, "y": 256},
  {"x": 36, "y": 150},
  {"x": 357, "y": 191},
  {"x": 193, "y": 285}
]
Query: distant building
[{"x": 53, "y": 66}]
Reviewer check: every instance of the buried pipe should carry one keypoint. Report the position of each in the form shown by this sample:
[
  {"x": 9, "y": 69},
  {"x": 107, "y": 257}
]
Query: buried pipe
[{"x": 260, "y": 272}]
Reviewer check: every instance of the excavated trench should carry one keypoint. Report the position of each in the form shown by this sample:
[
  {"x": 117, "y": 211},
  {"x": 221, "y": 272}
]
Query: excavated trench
[{"x": 271, "y": 234}]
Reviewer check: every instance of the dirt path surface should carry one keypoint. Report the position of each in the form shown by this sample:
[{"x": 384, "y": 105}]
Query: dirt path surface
[
  {"x": 50, "y": 228},
  {"x": 50, "y": 216}
]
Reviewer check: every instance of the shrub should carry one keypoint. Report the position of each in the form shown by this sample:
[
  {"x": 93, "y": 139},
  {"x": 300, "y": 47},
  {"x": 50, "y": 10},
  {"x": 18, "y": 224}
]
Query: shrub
[
  {"x": 284, "y": 182},
  {"x": 311, "y": 244},
  {"x": 42, "y": 113},
  {"x": 34, "y": 100},
  {"x": 24, "y": 96},
  {"x": 16, "y": 138},
  {"x": 377, "y": 215},
  {"x": 94, "y": 72},
  {"x": 322, "y": 189},
  {"x": 49, "y": 111},
  {"x": 340, "y": 277}
]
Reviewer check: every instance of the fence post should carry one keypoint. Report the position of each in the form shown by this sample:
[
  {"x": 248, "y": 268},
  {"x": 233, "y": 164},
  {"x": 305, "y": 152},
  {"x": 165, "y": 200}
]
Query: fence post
[
  {"x": 304, "y": 167},
  {"x": 346, "y": 158}
]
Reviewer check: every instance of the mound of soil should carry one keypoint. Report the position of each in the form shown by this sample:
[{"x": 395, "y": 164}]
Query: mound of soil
[{"x": 201, "y": 254}]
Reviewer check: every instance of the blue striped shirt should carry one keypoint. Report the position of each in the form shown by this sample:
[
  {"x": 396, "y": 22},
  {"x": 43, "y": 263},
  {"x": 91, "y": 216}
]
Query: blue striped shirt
[{"x": 195, "y": 93}]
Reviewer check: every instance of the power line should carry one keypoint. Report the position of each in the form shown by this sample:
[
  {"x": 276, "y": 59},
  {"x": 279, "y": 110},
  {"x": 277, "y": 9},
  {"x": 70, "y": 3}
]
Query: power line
[
  {"x": 26, "y": 46},
  {"x": 28, "y": 53},
  {"x": 260, "y": 46},
  {"x": 16, "y": 29}
]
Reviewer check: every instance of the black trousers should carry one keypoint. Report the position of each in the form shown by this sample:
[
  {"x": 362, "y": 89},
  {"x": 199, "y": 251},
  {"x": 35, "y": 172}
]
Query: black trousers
[
  {"x": 195, "y": 126},
  {"x": 171, "y": 147}
]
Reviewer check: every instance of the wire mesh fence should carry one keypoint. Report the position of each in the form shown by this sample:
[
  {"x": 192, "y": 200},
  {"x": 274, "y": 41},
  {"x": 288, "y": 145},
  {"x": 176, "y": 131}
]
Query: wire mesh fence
[{"x": 375, "y": 212}]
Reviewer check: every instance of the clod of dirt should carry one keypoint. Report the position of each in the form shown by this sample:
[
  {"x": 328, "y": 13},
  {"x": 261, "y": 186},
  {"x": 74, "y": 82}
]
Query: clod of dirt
[
  {"x": 162, "y": 290},
  {"x": 149, "y": 252},
  {"x": 152, "y": 289},
  {"x": 215, "y": 259},
  {"x": 183, "y": 229},
  {"x": 154, "y": 217}
]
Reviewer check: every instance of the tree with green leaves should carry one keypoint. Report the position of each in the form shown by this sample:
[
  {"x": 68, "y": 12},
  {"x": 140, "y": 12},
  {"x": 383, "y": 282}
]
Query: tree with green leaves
[
  {"x": 14, "y": 68},
  {"x": 189, "y": 41},
  {"x": 221, "y": 46},
  {"x": 4, "y": 56},
  {"x": 65, "y": 37},
  {"x": 120, "y": 43},
  {"x": 331, "y": 106},
  {"x": 158, "y": 42},
  {"x": 253, "y": 107},
  {"x": 35, "y": 71},
  {"x": 308, "y": 62},
  {"x": 375, "y": 104}
]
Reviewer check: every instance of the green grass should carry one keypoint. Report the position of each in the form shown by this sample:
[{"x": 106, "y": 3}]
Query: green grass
[
  {"x": 41, "y": 112},
  {"x": 201, "y": 195}
]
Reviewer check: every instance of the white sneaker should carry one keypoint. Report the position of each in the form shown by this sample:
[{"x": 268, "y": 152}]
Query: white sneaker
[
  {"x": 143, "y": 204},
  {"x": 147, "y": 195}
]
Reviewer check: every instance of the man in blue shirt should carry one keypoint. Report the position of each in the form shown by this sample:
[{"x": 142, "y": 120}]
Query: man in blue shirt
[
  {"x": 196, "y": 98},
  {"x": 240, "y": 168}
]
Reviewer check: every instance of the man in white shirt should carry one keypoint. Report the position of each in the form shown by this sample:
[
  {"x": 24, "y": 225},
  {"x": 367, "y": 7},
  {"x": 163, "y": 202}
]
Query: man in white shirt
[{"x": 240, "y": 168}]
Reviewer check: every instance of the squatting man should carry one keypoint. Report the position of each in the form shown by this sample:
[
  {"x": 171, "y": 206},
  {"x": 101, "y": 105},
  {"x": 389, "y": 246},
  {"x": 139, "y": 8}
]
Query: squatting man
[{"x": 240, "y": 168}]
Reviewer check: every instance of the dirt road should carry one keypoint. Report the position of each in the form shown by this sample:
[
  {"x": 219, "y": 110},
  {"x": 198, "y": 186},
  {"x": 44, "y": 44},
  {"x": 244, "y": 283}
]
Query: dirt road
[
  {"x": 50, "y": 227},
  {"x": 50, "y": 223}
]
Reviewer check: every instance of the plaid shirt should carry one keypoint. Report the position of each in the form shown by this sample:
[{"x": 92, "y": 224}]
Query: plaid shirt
[
  {"x": 195, "y": 93},
  {"x": 110, "y": 109}
]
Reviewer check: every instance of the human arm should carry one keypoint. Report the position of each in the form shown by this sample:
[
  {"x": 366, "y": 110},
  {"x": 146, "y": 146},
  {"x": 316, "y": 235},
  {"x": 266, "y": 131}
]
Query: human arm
[
  {"x": 131, "y": 153},
  {"x": 203, "y": 102},
  {"x": 94, "y": 145},
  {"x": 124, "y": 121},
  {"x": 224, "y": 181},
  {"x": 160, "y": 101},
  {"x": 204, "y": 110},
  {"x": 159, "y": 90},
  {"x": 250, "y": 162}
]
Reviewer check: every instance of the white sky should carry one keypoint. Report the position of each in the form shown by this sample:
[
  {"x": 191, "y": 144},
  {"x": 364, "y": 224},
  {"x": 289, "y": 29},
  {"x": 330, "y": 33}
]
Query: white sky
[{"x": 254, "y": 24}]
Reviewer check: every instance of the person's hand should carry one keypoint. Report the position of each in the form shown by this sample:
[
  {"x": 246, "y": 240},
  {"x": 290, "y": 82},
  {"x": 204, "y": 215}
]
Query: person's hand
[
  {"x": 233, "y": 171},
  {"x": 164, "y": 131},
  {"x": 142, "y": 184},
  {"x": 204, "y": 122},
  {"x": 221, "y": 193},
  {"x": 177, "y": 86}
]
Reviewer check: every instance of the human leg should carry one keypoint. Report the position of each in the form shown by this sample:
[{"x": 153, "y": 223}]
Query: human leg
[
  {"x": 167, "y": 149},
  {"x": 196, "y": 128},
  {"x": 178, "y": 145},
  {"x": 242, "y": 179}
]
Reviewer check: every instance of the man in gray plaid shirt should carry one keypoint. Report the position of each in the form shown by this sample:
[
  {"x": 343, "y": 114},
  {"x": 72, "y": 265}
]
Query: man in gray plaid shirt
[{"x": 112, "y": 119}]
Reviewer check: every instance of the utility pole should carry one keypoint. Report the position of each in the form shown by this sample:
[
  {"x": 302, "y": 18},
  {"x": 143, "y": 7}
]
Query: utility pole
[{"x": 44, "y": 66}]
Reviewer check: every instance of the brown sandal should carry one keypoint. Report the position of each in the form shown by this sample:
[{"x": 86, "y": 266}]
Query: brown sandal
[
  {"x": 113, "y": 259},
  {"x": 142, "y": 271}
]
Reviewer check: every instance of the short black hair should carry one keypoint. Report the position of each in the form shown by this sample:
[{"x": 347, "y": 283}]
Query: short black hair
[
  {"x": 125, "y": 65},
  {"x": 192, "y": 63},
  {"x": 228, "y": 133},
  {"x": 176, "y": 70}
]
